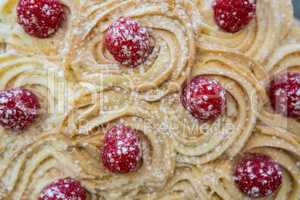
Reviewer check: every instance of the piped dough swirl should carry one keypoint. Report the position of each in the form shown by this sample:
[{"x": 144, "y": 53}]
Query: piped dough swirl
[
  {"x": 30, "y": 163},
  {"x": 281, "y": 145},
  {"x": 198, "y": 143},
  {"x": 25, "y": 160},
  {"x": 172, "y": 36},
  {"x": 16, "y": 38},
  {"x": 93, "y": 113},
  {"x": 285, "y": 59},
  {"x": 215, "y": 179},
  {"x": 182, "y": 158},
  {"x": 42, "y": 77},
  {"x": 258, "y": 40},
  {"x": 184, "y": 184}
]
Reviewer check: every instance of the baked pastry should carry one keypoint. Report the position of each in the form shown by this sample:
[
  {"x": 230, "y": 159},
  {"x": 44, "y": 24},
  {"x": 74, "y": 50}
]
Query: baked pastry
[{"x": 149, "y": 99}]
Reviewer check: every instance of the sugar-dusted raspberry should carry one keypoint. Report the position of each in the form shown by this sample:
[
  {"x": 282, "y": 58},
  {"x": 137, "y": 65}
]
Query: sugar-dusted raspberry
[
  {"x": 40, "y": 18},
  {"x": 122, "y": 151},
  {"x": 257, "y": 175},
  {"x": 128, "y": 42},
  {"x": 63, "y": 189},
  {"x": 204, "y": 98},
  {"x": 18, "y": 108},
  {"x": 233, "y": 15},
  {"x": 284, "y": 93}
]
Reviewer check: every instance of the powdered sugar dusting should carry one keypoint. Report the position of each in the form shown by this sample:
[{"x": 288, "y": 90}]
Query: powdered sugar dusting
[
  {"x": 122, "y": 149},
  {"x": 204, "y": 98},
  {"x": 257, "y": 175},
  {"x": 284, "y": 94},
  {"x": 233, "y": 15},
  {"x": 64, "y": 189},
  {"x": 40, "y": 18},
  {"x": 128, "y": 42},
  {"x": 18, "y": 108}
]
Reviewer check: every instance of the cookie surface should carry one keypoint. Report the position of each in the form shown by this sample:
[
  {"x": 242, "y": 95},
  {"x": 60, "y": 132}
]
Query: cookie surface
[{"x": 111, "y": 120}]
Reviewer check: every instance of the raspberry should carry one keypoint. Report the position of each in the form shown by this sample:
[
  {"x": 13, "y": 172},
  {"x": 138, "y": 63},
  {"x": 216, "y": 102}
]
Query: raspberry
[
  {"x": 128, "y": 42},
  {"x": 63, "y": 189},
  {"x": 257, "y": 175},
  {"x": 204, "y": 98},
  {"x": 284, "y": 93},
  {"x": 122, "y": 149},
  {"x": 233, "y": 15},
  {"x": 18, "y": 108},
  {"x": 40, "y": 18}
]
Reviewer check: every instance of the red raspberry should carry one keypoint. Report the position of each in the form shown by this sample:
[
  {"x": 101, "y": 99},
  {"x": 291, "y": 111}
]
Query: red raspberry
[
  {"x": 128, "y": 42},
  {"x": 204, "y": 98},
  {"x": 233, "y": 15},
  {"x": 284, "y": 93},
  {"x": 122, "y": 149},
  {"x": 40, "y": 18},
  {"x": 18, "y": 108},
  {"x": 64, "y": 189},
  {"x": 257, "y": 175}
]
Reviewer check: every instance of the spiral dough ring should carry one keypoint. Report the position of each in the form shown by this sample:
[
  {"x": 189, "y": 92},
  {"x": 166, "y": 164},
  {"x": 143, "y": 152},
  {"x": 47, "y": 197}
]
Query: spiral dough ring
[
  {"x": 198, "y": 143},
  {"x": 272, "y": 23},
  {"x": 172, "y": 37},
  {"x": 26, "y": 159},
  {"x": 286, "y": 58},
  {"x": 16, "y": 38},
  {"x": 281, "y": 145},
  {"x": 87, "y": 123},
  {"x": 42, "y": 77}
]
